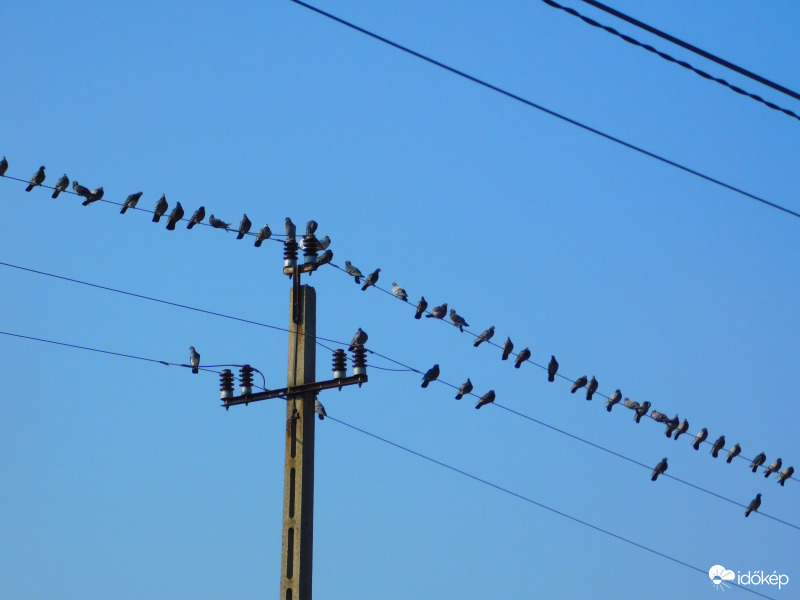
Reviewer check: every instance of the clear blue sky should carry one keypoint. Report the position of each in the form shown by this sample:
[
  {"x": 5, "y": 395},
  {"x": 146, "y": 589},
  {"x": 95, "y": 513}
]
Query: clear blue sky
[{"x": 126, "y": 479}]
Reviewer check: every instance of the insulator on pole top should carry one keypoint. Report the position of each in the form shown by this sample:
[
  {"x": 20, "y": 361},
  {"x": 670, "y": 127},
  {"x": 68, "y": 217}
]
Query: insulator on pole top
[
  {"x": 359, "y": 360},
  {"x": 290, "y": 252},
  {"x": 246, "y": 379},
  {"x": 226, "y": 384},
  {"x": 339, "y": 364},
  {"x": 310, "y": 249}
]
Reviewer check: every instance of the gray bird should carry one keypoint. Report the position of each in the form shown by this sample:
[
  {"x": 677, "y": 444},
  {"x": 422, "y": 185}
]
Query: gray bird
[
  {"x": 218, "y": 223},
  {"x": 613, "y": 399},
  {"x": 431, "y": 375},
  {"x": 95, "y": 195},
  {"x": 700, "y": 438},
  {"x": 733, "y": 453},
  {"x": 773, "y": 468},
  {"x": 459, "y": 321},
  {"x": 683, "y": 428},
  {"x": 579, "y": 383},
  {"x": 631, "y": 404},
  {"x": 465, "y": 389},
  {"x": 161, "y": 208},
  {"x": 785, "y": 474},
  {"x": 36, "y": 179},
  {"x": 438, "y": 312},
  {"x": 61, "y": 185},
  {"x": 244, "y": 227},
  {"x": 552, "y": 368},
  {"x": 311, "y": 227},
  {"x": 197, "y": 217},
  {"x": 324, "y": 243},
  {"x": 483, "y": 337},
  {"x": 672, "y": 425},
  {"x": 753, "y": 507},
  {"x": 421, "y": 306},
  {"x": 758, "y": 461},
  {"x": 359, "y": 339},
  {"x": 524, "y": 355},
  {"x": 175, "y": 216},
  {"x": 641, "y": 411},
  {"x": 290, "y": 228},
  {"x": 399, "y": 292},
  {"x": 718, "y": 445},
  {"x": 319, "y": 409},
  {"x": 487, "y": 398},
  {"x": 371, "y": 279},
  {"x": 660, "y": 468},
  {"x": 263, "y": 234},
  {"x": 325, "y": 258},
  {"x": 3, "y": 167},
  {"x": 130, "y": 202},
  {"x": 194, "y": 360},
  {"x": 591, "y": 388},
  {"x": 508, "y": 348},
  {"x": 659, "y": 417},
  {"x": 353, "y": 271},
  {"x": 80, "y": 190}
]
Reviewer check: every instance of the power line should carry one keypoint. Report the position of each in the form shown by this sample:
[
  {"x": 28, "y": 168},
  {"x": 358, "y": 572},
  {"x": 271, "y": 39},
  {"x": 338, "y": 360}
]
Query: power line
[{"x": 553, "y": 113}]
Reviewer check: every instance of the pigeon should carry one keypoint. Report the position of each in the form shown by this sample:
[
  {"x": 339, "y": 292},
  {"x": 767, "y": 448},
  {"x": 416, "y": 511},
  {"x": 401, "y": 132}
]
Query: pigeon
[
  {"x": 354, "y": 271},
  {"x": 325, "y": 257},
  {"x": 614, "y": 399},
  {"x": 438, "y": 312},
  {"x": 61, "y": 185},
  {"x": 785, "y": 474},
  {"x": 290, "y": 228},
  {"x": 579, "y": 383},
  {"x": 524, "y": 355},
  {"x": 161, "y": 208},
  {"x": 263, "y": 234},
  {"x": 431, "y": 375},
  {"x": 36, "y": 179},
  {"x": 218, "y": 223},
  {"x": 659, "y": 417},
  {"x": 319, "y": 409},
  {"x": 359, "y": 339},
  {"x": 672, "y": 425},
  {"x": 660, "y": 468},
  {"x": 421, "y": 306},
  {"x": 324, "y": 243},
  {"x": 508, "y": 347},
  {"x": 631, "y": 404},
  {"x": 591, "y": 388},
  {"x": 700, "y": 438},
  {"x": 94, "y": 196},
  {"x": 465, "y": 389},
  {"x": 459, "y": 321},
  {"x": 194, "y": 360},
  {"x": 399, "y": 292},
  {"x": 371, "y": 279},
  {"x": 758, "y": 461},
  {"x": 3, "y": 167},
  {"x": 311, "y": 227},
  {"x": 773, "y": 468},
  {"x": 197, "y": 217},
  {"x": 683, "y": 428},
  {"x": 552, "y": 369},
  {"x": 483, "y": 337},
  {"x": 756, "y": 502},
  {"x": 131, "y": 202},
  {"x": 80, "y": 190},
  {"x": 244, "y": 227},
  {"x": 641, "y": 411},
  {"x": 485, "y": 399},
  {"x": 718, "y": 445},
  {"x": 733, "y": 453},
  {"x": 175, "y": 216}
]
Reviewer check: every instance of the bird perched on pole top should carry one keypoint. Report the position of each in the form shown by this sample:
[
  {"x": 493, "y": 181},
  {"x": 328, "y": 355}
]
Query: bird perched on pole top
[
  {"x": 175, "y": 216},
  {"x": 131, "y": 202},
  {"x": 524, "y": 355},
  {"x": 353, "y": 271},
  {"x": 700, "y": 438},
  {"x": 161, "y": 208},
  {"x": 487, "y": 398},
  {"x": 290, "y": 228},
  {"x": 552, "y": 368},
  {"x": 485, "y": 336},
  {"x": 421, "y": 306},
  {"x": 438, "y": 312},
  {"x": 399, "y": 292},
  {"x": 660, "y": 468},
  {"x": 244, "y": 227},
  {"x": 754, "y": 504},
  {"x": 371, "y": 279},
  {"x": 194, "y": 360},
  {"x": 61, "y": 185},
  {"x": 311, "y": 227},
  {"x": 36, "y": 179},
  {"x": 579, "y": 383},
  {"x": 458, "y": 320},
  {"x": 508, "y": 348},
  {"x": 613, "y": 399},
  {"x": 465, "y": 389},
  {"x": 431, "y": 375}
]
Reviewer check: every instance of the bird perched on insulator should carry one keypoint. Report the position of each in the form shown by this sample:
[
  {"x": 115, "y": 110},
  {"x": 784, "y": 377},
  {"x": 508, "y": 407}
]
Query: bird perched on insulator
[
  {"x": 311, "y": 227},
  {"x": 359, "y": 339},
  {"x": 290, "y": 229}
]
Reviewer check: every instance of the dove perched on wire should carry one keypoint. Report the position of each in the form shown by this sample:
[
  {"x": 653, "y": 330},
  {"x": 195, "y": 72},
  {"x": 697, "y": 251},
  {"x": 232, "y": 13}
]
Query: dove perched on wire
[
  {"x": 325, "y": 258},
  {"x": 431, "y": 375},
  {"x": 659, "y": 417},
  {"x": 218, "y": 223},
  {"x": 773, "y": 468},
  {"x": 733, "y": 453},
  {"x": 487, "y": 398},
  {"x": 194, "y": 360},
  {"x": 613, "y": 399},
  {"x": 524, "y": 355},
  {"x": 175, "y": 216},
  {"x": 485, "y": 336},
  {"x": 80, "y": 190},
  {"x": 36, "y": 179},
  {"x": 438, "y": 312},
  {"x": 371, "y": 279},
  {"x": 465, "y": 389},
  {"x": 591, "y": 388},
  {"x": 718, "y": 445},
  {"x": 458, "y": 321},
  {"x": 95, "y": 195},
  {"x": 197, "y": 217},
  {"x": 161, "y": 208},
  {"x": 700, "y": 438},
  {"x": 244, "y": 227},
  {"x": 290, "y": 229},
  {"x": 421, "y": 306},
  {"x": 754, "y": 504},
  {"x": 61, "y": 185},
  {"x": 399, "y": 292},
  {"x": 641, "y": 411},
  {"x": 3, "y": 166},
  {"x": 672, "y": 425},
  {"x": 660, "y": 468},
  {"x": 508, "y": 348},
  {"x": 552, "y": 368},
  {"x": 353, "y": 271},
  {"x": 263, "y": 234},
  {"x": 579, "y": 383},
  {"x": 359, "y": 339},
  {"x": 319, "y": 409},
  {"x": 130, "y": 202},
  {"x": 758, "y": 461},
  {"x": 682, "y": 428},
  {"x": 631, "y": 403},
  {"x": 785, "y": 474}
]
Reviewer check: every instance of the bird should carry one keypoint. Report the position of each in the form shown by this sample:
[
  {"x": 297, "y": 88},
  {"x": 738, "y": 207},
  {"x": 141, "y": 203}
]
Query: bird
[
  {"x": 161, "y": 208},
  {"x": 758, "y": 461},
  {"x": 552, "y": 368},
  {"x": 785, "y": 474},
  {"x": 438, "y": 312},
  {"x": 465, "y": 389},
  {"x": 459, "y": 321},
  {"x": 399, "y": 292},
  {"x": 263, "y": 234},
  {"x": 773, "y": 468},
  {"x": 244, "y": 227},
  {"x": 579, "y": 383},
  {"x": 733, "y": 453},
  {"x": 524, "y": 355},
  {"x": 61, "y": 185},
  {"x": 508, "y": 347},
  {"x": 591, "y": 388},
  {"x": 175, "y": 216},
  {"x": 325, "y": 257},
  {"x": 311, "y": 227},
  {"x": 94, "y": 196},
  {"x": 197, "y": 217},
  {"x": 290, "y": 228},
  {"x": 218, "y": 223},
  {"x": 324, "y": 243},
  {"x": 485, "y": 336},
  {"x": 660, "y": 468},
  {"x": 36, "y": 179},
  {"x": 700, "y": 438},
  {"x": 194, "y": 360},
  {"x": 631, "y": 404},
  {"x": 130, "y": 202},
  {"x": 80, "y": 190},
  {"x": 641, "y": 411},
  {"x": 718, "y": 445},
  {"x": 659, "y": 417},
  {"x": 359, "y": 339},
  {"x": 371, "y": 279},
  {"x": 319, "y": 409},
  {"x": 421, "y": 306},
  {"x": 485, "y": 399},
  {"x": 3, "y": 167},
  {"x": 613, "y": 399},
  {"x": 754, "y": 504},
  {"x": 672, "y": 425},
  {"x": 353, "y": 271},
  {"x": 682, "y": 428},
  {"x": 431, "y": 375}
]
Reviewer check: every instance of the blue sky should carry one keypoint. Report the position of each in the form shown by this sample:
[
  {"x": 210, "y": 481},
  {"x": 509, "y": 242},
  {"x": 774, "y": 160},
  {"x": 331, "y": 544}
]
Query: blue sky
[{"x": 126, "y": 479}]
